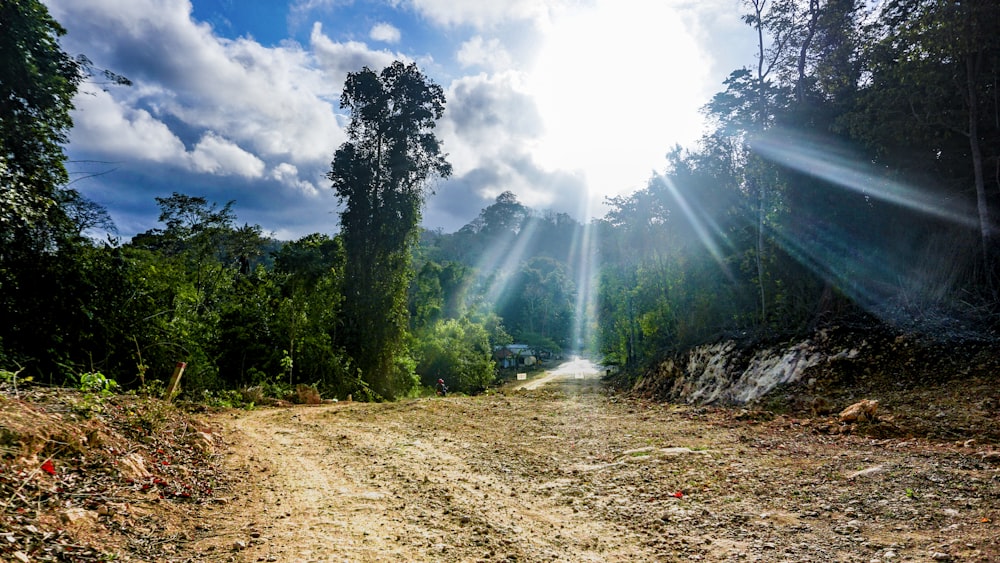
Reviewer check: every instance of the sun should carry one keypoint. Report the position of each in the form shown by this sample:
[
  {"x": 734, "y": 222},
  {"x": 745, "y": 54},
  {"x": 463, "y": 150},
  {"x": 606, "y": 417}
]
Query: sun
[{"x": 617, "y": 85}]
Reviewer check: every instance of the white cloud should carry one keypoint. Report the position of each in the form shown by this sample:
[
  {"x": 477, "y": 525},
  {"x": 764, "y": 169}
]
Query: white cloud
[
  {"x": 487, "y": 116},
  {"x": 489, "y": 54},
  {"x": 338, "y": 59},
  {"x": 262, "y": 117},
  {"x": 485, "y": 14},
  {"x": 216, "y": 155},
  {"x": 110, "y": 128},
  {"x": 288, "y": 175},
  {"x": 384, "y": 32},
  {"x": 268, "y": 104},
  {"x": 614, "y": 85},
  {"x": 273, "y": 101},
  {"x": 490, "y": 128}
]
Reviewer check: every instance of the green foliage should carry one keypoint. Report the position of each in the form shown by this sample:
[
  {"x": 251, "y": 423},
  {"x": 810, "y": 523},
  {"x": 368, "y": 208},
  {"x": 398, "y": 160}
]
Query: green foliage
[
  {"x": 37, "y": 83},
  {"x": 97, "y": 382},
  {"x": 458, "y": 351},
  {"x": 540, "y": 299},
  {"x": 844, "y": 171},
  {"x": 150, "y": 415}
]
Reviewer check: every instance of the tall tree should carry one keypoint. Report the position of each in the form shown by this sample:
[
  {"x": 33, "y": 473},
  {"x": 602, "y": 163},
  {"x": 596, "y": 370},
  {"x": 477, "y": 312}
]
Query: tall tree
[
  {"x": 381, "y": 175},
  {"x": 931, "y": 106},
  {"x": 37, "y": 83}
]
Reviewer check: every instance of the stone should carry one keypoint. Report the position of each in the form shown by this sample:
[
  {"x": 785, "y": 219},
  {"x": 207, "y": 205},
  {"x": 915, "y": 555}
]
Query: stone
[
  {"x": 77, "y": 516},
  {"x": 682, "y": 451},
  {"x": 863, "y": 410},
  {"x": 203, "y": 442},
  {"x": 132, "y": 466},
  {"x": 866, "y": 472}
]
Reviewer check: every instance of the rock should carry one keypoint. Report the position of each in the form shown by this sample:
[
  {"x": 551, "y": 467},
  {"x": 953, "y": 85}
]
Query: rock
[
  {"x": 939, "y": 556},
  {"x": 133, "y": 467},
  {"x": 78, "y": 516},
  {"x": 865, "y": 472},
  {"x": 863, "y": 410},
  {"x": 682, "y": 451},
  {"x": 203, "y": 442},
  {"x": 239, "y": 545},
  {"x": 852, "y": 527}
]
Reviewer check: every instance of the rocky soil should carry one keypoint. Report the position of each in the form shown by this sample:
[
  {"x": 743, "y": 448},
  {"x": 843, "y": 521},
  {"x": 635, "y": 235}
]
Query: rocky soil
[{"x": 567, "y": 472}]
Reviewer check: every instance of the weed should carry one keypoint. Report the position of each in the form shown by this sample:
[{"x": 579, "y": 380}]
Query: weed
[{"x": 97, "y": 382}]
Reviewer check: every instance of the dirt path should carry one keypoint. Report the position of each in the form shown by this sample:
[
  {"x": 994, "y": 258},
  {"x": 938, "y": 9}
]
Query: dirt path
[
  {"x": 576, "y": 368},
  {"x": 567, "y": 473}
]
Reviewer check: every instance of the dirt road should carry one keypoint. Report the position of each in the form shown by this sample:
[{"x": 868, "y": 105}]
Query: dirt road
[{"x": 568, "y": 473}]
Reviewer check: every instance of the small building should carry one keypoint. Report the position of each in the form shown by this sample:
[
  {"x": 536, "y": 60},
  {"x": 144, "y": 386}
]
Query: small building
[{"x": 514, "y": 355}]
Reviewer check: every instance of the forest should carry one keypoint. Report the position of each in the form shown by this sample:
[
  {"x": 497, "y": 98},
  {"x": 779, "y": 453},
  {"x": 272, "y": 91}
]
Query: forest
[{"x": 850, "y": 175}]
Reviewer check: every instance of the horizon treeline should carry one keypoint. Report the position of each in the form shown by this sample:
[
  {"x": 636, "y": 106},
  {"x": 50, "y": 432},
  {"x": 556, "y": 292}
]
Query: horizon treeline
[{"x": 851, "y": 171}]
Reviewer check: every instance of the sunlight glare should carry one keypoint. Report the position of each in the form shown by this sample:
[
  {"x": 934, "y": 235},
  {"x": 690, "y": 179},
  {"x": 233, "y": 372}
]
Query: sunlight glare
[
  {"x": 617, "y": 85},
  {"x": 505, "y": 259}
]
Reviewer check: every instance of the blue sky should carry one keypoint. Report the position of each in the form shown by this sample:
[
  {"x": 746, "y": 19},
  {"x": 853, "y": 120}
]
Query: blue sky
[{"x": 563, "y": 102}]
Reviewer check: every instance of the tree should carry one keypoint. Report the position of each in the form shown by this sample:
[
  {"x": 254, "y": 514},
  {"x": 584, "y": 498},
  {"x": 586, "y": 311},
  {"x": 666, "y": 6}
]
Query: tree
[
  {"x": 458, "y": 351},
  {"x": 380, "y": 174},
  {"x": 930, "y": 106},
  {"x": 37, "y": 83},
  {"x": 539, "y": 298},
  {"x": 505, "y": 217}
]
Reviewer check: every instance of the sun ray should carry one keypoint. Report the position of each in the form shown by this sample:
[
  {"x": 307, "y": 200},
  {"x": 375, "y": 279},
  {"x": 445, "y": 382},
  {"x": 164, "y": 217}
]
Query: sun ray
[
  {"x": 828, "y": 161},
  {"x": 703, "y": 226}
]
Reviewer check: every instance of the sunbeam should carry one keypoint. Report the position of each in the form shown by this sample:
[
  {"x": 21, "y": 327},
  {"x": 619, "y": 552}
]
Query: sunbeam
[
  {"x": 505, "y": 259},
  {"x": 830, "y": 162},
  {"x": 703, "y": 232},
  {"x": 583, "y": 254},
  {"x": 875, "y": 266}
]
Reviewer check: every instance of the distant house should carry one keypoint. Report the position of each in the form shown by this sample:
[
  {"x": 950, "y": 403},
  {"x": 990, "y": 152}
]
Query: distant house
[{"x": 514, "y": 355}]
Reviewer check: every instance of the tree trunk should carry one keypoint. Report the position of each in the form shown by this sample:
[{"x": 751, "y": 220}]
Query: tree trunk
[
  {"x": 985, "y": 226},
  {"x": 761, "y": 214},
  {"x": 800, "y": 85}
]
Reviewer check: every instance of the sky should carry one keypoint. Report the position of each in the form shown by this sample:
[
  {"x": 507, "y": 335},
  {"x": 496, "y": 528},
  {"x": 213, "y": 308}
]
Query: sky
[{"x": 562, "y": 102}]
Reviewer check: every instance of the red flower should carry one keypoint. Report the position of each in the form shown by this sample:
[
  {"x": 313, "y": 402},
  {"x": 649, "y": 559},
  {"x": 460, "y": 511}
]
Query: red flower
[
  {"x": 48, "y": 467},
  {"x": 679, "y": 494}
]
